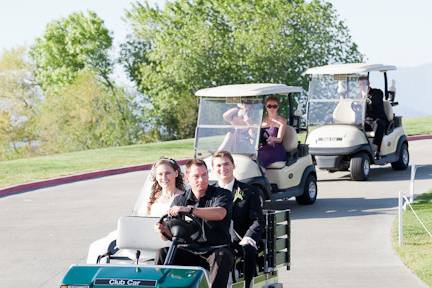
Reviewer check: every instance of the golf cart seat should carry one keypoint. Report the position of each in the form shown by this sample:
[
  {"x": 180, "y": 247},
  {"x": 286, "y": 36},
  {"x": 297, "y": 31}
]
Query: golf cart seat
[
  {"x": 289, "y": 142},
  {"x": 133, "y": 233},
  {"x": 388, "y": 109},
  {"x": 132, "y": 236},
  {"x": 344, "y": 113}
]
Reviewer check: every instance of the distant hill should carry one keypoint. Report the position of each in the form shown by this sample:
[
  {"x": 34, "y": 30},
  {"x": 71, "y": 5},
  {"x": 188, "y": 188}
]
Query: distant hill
[{"x": 413, "y": 90}]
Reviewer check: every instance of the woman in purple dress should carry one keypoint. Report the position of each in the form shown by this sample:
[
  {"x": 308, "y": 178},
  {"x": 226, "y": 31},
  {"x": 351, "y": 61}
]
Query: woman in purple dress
[{"x": 272, "y": 132}]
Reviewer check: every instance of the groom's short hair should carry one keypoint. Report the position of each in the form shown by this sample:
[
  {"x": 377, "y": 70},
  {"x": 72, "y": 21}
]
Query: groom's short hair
[
  {"x": 223, "y": 154},
  {"x": 196, "y": 162}
]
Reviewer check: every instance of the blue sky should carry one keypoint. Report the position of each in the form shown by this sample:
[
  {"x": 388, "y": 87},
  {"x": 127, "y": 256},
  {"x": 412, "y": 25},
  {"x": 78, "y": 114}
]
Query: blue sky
[{"x": 391, "y": 32}]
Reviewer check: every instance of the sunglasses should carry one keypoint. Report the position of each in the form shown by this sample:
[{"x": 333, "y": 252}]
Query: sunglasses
[{"x": 270, "y": 106}]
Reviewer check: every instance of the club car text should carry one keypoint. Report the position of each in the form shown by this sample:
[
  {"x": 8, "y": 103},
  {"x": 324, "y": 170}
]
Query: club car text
[{"x": 126, "y": 282}]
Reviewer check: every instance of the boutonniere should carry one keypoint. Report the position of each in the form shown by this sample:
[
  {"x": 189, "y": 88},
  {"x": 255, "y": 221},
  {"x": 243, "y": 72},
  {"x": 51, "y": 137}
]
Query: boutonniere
[{"x": 238, "y": 194}]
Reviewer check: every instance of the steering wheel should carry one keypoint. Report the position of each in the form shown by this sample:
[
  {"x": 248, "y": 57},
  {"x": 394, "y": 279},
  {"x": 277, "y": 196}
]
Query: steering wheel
[{"x": 185, "y": 228}]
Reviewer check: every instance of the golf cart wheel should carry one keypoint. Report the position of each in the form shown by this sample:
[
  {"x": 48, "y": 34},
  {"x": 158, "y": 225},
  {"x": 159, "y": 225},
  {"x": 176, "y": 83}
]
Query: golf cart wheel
[
  {"x": 360, "y": 167},
  {"x": 403, "y": 161},
  {"x": 310, "y": 191}
]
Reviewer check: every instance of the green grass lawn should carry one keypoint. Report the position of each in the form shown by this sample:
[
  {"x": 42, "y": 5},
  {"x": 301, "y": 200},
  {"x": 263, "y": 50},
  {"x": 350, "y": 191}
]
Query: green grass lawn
[
  {"x": 416, "y": 126},
  {"x": 44, "y": 167},
  {"x": 416, "y": 251}
]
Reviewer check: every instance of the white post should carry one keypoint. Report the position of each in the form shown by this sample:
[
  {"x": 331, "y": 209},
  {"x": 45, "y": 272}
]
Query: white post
[
  {"x": 400, "y": 211},
  {"x": 413, "y": 172}
]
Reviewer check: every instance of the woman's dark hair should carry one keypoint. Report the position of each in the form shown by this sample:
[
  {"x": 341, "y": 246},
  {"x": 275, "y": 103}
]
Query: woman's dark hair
[{"x": 156, "y": 189}]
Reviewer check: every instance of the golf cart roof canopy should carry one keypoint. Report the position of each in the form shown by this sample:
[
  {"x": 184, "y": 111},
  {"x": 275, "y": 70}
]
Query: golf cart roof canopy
[
  {"x": 351, "y": 68},
  {"x": 241, "y": 90}
]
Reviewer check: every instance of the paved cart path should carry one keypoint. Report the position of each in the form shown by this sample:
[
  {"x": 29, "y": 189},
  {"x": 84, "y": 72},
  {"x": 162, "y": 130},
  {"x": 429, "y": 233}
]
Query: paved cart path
[
  {"x": 344, "y": 239},
  {"x": 341, "y": 241}
]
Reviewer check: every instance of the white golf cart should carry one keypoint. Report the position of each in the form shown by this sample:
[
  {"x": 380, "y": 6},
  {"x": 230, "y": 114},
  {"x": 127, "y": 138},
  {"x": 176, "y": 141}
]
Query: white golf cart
[
  {"x": 281, "y": 180},
  {"x": 337, "y": 137}
]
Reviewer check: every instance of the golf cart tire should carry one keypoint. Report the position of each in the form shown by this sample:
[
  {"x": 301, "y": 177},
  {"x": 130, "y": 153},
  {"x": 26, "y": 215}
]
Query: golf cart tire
[
  {"x": 357, "y": 167},
  {"x": 306, "y": 198},
  {"x": 402, "y": 164}
]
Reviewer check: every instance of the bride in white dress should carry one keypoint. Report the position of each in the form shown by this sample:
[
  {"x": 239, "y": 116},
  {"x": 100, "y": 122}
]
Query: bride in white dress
[
  {"x": 162, "y": 185},
  {"x": 165, "y": 183}
]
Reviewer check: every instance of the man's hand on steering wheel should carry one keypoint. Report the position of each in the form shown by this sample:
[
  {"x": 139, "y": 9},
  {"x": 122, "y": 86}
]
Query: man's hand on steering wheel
[
  {"x": 184, "y": 227},
  {"x": 176, "y": 210},
  {"x": 163, "y": 230}
]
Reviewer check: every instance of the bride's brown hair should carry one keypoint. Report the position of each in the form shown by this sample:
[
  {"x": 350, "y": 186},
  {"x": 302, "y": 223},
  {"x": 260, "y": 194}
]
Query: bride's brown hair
[{"x": 156, "y": 189}]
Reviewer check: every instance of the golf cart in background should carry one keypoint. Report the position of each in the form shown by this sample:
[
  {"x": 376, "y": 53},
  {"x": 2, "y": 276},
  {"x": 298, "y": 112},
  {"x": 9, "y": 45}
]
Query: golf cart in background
[
  {"x": 295, "y": 177},
  {"x": 129, "y": 261},
  {"x": 337, "y": 137}
]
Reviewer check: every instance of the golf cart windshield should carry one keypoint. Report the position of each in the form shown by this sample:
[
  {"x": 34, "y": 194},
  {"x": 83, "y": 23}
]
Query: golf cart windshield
[
  {"x": 336, "y": 99},
  {"x": 228, "y": 123}
]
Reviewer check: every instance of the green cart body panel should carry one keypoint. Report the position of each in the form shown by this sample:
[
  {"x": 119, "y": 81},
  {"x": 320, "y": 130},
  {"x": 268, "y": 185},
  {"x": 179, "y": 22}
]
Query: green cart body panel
[{"x": 122, "y": 276}]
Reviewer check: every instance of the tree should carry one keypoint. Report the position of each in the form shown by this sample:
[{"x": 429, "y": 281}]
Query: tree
[
  {"x": 200, "y": 43},
  {"x": 19, "y": 99},
  {"x": 133, "y": 56},
  {"x": 69, "y": 45},
  {"x": 85, "y": 115}
]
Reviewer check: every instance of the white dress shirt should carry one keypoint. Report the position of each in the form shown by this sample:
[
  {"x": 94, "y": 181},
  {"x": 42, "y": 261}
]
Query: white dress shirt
[
  {"x": 234, "y": 235},
  {"x": 228, "y": 186}
]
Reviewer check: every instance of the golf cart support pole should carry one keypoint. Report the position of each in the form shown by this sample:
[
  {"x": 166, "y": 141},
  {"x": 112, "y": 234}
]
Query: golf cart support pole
[
  {"x": 400, "y": 219},
  {"x": 412, "y": 178},
  {"x": 171, "y": 252}
]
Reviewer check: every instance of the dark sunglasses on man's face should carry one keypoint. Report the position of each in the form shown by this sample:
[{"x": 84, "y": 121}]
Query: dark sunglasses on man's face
[{"x": 270, "y": 106}]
